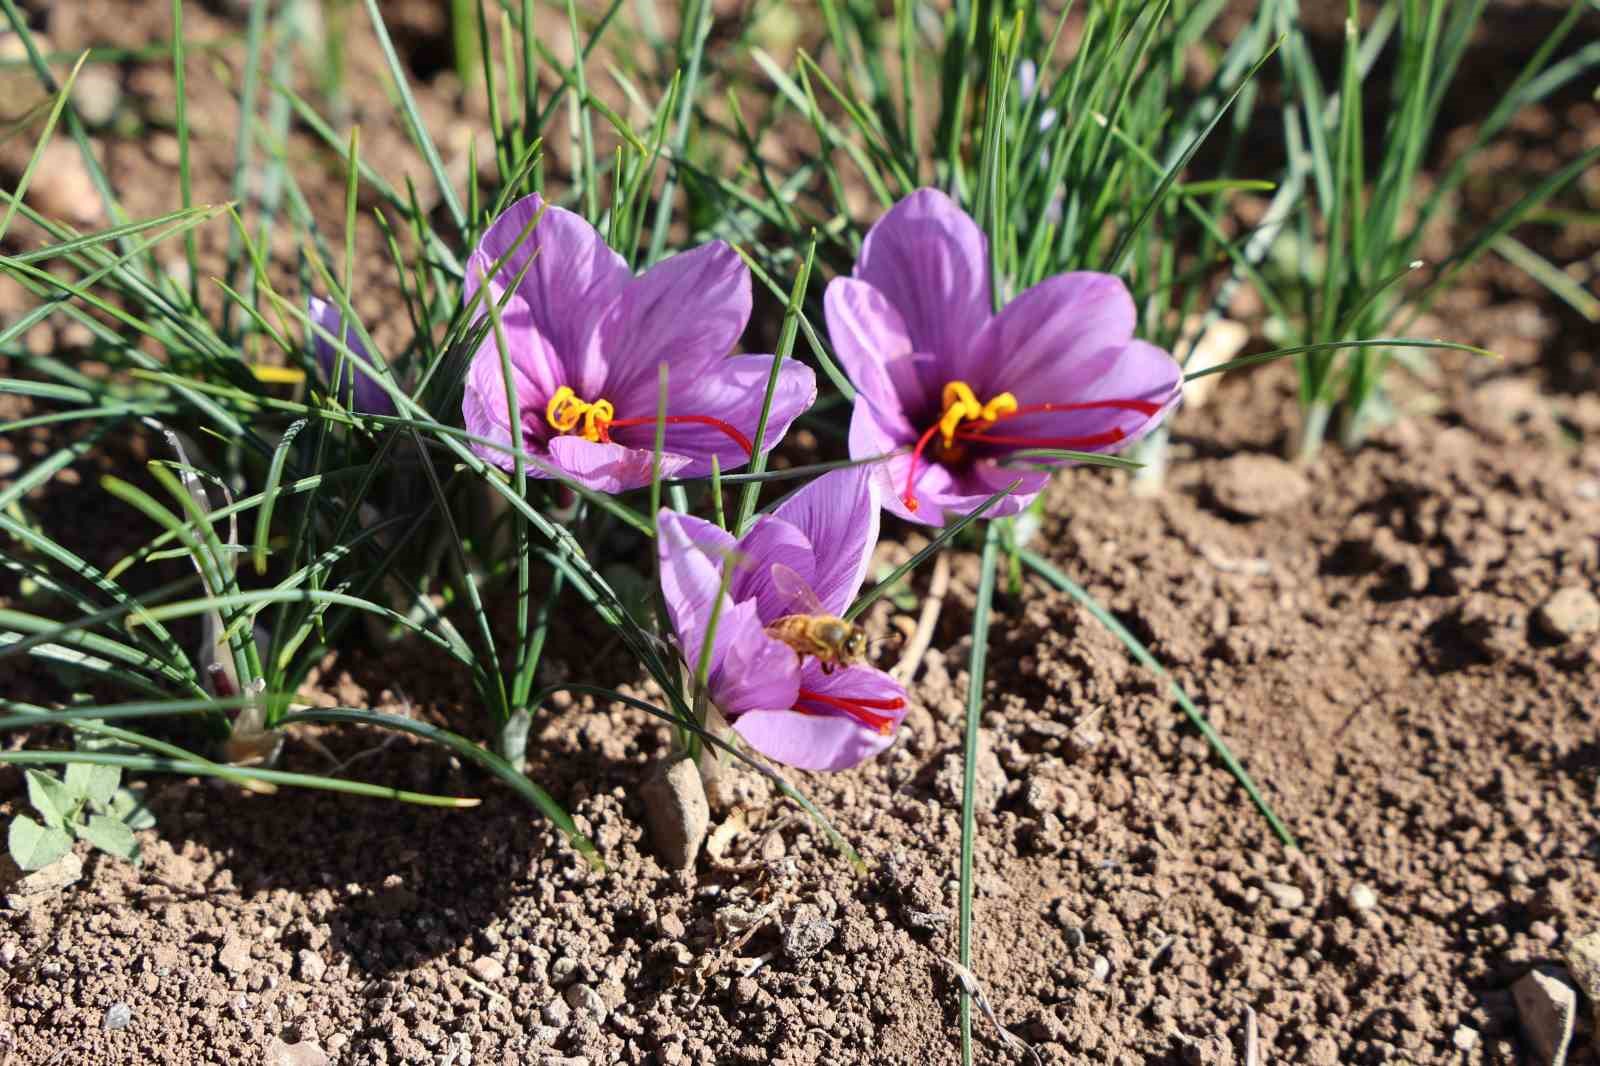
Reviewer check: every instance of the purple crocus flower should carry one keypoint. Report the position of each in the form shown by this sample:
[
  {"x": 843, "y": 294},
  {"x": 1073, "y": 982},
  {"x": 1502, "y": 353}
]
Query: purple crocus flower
[
  {"x": 956, "y": 389},
  {"x": 782, "y": 704},
  {"x": 585, "y": 338},
  {"x": 364, "y": 395}
]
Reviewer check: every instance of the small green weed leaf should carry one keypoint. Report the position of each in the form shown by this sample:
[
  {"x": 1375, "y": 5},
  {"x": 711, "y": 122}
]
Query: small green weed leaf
[
  {"x": 93, "y": 782},
  {"x": 111, "y": 835},
  {"x": 50, "y": 798},
  {"x": 34, "y": 846},
  {"x": 128, "y": 806}
]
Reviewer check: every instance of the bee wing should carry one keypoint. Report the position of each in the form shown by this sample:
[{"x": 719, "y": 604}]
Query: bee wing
[{"x": 791, "y": 585}]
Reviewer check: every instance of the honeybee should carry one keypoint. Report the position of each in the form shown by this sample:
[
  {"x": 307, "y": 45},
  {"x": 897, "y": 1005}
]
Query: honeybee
[{"x": 812, "y": 629}]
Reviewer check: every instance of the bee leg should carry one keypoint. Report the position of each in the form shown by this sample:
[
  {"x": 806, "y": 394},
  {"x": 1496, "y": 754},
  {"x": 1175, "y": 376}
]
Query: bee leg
[{"x": 827, "y": 667}]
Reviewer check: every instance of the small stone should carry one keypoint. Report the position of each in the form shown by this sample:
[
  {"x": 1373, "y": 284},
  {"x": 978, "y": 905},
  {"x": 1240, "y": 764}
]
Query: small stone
[
  {"x": 62, "y": 188},
  {"x": 1101, "y": 967},
  {"x": 164, "y": 149},
  {"x": 308, "y": 966},
  {"x": 1465, "y": 1037},
  {"x": 676, "y": 812},
  {"x": 97, "y": 94},
  {"x": 807, "y": 933},
  {"x": 586, "y": 1000},
  {"x": 487, "y": 969},
  {"x": 304, "y": 1053},
  {"x": 235, "y": 955},
  {"x": 1546, "y": 1006},
  {"x": 1289, "y": 897},
  {"x": 118, "y": 1016},
  {"x": 556, "y": 1014},
  {"x": 1571, "y": 612},
  {"x": 23, "y": 890},
  {"x": 1362, "y": 897},
  {"x": 1583, "y": 960},
  {"x": 673, "y": 926},
  {"x": 1253, "y": 486}
]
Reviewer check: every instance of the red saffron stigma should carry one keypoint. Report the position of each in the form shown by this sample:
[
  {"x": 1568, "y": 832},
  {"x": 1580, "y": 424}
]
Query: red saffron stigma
[
  {"x": 910, "y": 497},
  {"x": 677, "y": 420},
  {"x": 857, "y": 709},
  {"x": 1093, "y": 440}
]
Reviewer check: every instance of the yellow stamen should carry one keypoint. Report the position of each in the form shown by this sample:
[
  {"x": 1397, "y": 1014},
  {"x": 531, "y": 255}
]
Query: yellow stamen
[
  {"x": 961, "y": 405},
  {"x": 565, "y": 411}
]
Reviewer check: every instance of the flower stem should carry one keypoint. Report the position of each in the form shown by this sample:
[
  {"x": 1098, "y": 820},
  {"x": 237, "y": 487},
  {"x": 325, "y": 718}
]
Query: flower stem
[{"x": 969, "y": 765}]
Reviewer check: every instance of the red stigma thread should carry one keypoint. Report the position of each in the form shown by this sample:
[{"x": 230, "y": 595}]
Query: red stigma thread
[
  {"x": 858, "y": 709},
  {"x": 677, "y": 420}
]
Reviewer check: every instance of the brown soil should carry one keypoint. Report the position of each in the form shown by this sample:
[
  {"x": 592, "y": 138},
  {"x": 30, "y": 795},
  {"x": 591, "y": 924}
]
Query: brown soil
[{"x": 1368, "y": 648}]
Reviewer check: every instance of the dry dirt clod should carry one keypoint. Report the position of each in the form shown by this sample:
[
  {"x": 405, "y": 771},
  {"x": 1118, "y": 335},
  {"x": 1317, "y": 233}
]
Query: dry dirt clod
[
  {"x": 990, "y": 781},
  {"x": 1546, "y": 1006},
  {"x": 235, "y": 955},
  {"x": 23, "y": 890},
  {"x": 309, "y": 966},
  {"x": 807, "y": 932},
  {"x": 1254, "y": 486},
  {"x": 585, "y": 1000},
  {"x": 676, "y": 811},
  {"x": 1571, "y": 612},
  {"x": 304, "y": 1053}
]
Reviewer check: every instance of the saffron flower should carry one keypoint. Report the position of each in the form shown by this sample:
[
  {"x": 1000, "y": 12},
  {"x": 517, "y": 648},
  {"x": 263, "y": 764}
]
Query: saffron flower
[
  {"x": 956, "y": 390},
  {"x": 585, "y": 337},
  {"x": 355, "y": 388},
  {"x": 787, "y": 707}
]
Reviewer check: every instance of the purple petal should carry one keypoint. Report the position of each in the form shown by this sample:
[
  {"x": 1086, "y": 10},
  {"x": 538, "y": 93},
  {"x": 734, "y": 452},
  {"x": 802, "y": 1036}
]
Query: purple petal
[
  {"x": 838, "y": 514},
  {"x": 1135, "y": 370},
  {"x": 369, "y": 397},
  {"x": 826, "y": 739},
  {"x": 535, "y": 375},
  {"x": 871, "y": 341},
  {"x": 686, "y": 311},
  {"x": 748, "y": 669},
  {"x": 609, "y": 468},
  {"x": 754, "y": 672},
  {"x": 931, "y": 262},
  {"x": 573, "y": 279},
  {"x": 731, "y": 391},
  {"x": 692, "y": 554},
  {"x": 1052, "y": 333},
  {"x": 771, "y": 541}
]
